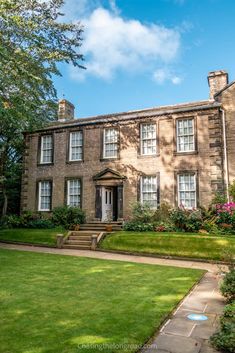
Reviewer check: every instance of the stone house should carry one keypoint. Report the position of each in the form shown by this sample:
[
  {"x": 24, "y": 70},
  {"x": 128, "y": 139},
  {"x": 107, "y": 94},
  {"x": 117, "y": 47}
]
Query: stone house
[{"x": 180, "y": 154}]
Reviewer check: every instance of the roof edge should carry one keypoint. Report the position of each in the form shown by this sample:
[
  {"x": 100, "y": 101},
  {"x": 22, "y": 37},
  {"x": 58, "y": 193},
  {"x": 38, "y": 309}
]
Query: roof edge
[{"x": 151, "y": 112}]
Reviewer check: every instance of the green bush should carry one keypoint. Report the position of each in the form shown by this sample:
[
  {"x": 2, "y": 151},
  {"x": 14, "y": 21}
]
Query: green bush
[
  {"x": 186, "y": 220},
  {"x": 232, "y": 190},
  {"x": 219, "y": 198},
  {"x": 67, "y": 216},
  {"x": 144, "y": 218},
  {"x": 40, "y": 224},
  {"x": 142, "y": 212},
  {"x": 224, "y": 340},
  {"x": 26, "y": 220},
  {"x": 210, "y": 225},
  {"x": 11, "y": 221},
  {"x": 229, "y": 313},
  {"x": 137, "y": 226},
  {"x": 179, "y": 218},
  {"x": 162, "y": 214},
  {"x": 228, "y": 285},
  {"x": 164, "y": 227}
]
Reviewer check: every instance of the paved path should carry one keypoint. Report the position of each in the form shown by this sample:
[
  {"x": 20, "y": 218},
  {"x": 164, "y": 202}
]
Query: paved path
[
  {"x": 119, "y": 257},
  {"x": 179, "y": 334},
  {"x": 182, "y": 335}
]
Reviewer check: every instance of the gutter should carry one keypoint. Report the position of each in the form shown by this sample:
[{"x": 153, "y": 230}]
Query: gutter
[{"x": 225, "y": 154}]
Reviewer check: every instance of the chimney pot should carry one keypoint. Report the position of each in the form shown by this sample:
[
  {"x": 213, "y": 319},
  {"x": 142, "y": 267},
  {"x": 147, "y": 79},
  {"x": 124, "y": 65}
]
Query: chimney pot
[
  {"x": 217, "y": 80},
  {"x": 65, "y": 110}
]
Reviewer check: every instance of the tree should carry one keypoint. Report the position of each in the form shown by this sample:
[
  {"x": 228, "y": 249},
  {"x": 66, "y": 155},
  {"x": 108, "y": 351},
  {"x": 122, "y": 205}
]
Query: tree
[{"x": 33, "y": 40}]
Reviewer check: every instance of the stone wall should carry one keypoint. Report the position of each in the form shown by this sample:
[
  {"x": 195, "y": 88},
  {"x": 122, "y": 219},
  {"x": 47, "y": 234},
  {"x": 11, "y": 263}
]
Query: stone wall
[
  {"x": 206, "y": 161},
  {"x": 227, "y": 98}
]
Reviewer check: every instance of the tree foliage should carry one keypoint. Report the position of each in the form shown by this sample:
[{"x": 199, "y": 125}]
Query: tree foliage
[
  {"x": 232, "y": 190},
  {"x": 33, "y": 40}
]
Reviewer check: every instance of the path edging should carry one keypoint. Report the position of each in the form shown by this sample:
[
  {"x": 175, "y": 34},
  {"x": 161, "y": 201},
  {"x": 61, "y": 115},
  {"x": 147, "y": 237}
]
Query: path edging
[
  {"x": 29, "y": 244},
  {"x": 165, "y": 257},
  {"x": 122, "y": 252}
]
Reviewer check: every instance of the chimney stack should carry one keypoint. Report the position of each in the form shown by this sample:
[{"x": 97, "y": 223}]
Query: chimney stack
[
  {"x": 65, "y": 110},
  {"x": 217, "y": 80}
]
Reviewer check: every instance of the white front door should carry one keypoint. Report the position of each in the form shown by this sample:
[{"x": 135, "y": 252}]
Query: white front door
[{"x": 107, "y": 204}]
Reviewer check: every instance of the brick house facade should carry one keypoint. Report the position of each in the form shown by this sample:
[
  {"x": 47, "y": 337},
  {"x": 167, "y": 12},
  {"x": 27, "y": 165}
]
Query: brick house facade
[{"x": 180, "y": 154}]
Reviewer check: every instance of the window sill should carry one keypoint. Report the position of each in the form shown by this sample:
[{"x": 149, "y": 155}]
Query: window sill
[
  {"x": 148, "y": 155},
  {"x": 185, "y": 153},
  {"x": 109, "y": 159},
  {"x": 45, "y": 164},
  {"x": 75, "y": 162}
]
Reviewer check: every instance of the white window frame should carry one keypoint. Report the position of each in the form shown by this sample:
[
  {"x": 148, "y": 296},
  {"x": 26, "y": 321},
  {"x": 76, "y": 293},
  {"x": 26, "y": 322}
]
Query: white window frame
[
  {"x": 40, "y": 195},
  {"x": 190, "y": 190},
  {"x": 106, "y": 143},
  {"x": 141, "y": 139},
  {"x": 141, "y": 189},
  {"x": 183, "y": 135},
  {"x": 77, "y": 146},
  {"x": 68, "y": 192},
  {"x": 48, "y": 149}
]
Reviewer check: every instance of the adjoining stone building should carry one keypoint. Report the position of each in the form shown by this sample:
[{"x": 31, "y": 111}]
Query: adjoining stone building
[{"x": 180, "y": 154}]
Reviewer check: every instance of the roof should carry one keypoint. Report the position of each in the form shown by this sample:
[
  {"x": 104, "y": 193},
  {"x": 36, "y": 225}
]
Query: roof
[{"x": 134, "y": 114}]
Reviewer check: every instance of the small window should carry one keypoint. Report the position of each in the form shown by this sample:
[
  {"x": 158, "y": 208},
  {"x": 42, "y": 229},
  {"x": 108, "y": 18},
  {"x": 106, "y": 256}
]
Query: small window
[
  {"x": 185, "y": 135},
  {"x": 149, "y": 190},
  {"x": 187, "y": 190},
  {"x": 46, "y": 149},
  {"x": 74, "y": 193},
  {"x": 148, "y": 139},
  {"x": 76, "y": 146},
  {"x": 44, "y": 203},
  {"x": 110, "y": 143}
]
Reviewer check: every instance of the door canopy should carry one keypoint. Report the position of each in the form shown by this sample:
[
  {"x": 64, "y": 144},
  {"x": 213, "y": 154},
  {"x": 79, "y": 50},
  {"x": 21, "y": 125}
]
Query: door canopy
[{"x": 108, "y": 176}]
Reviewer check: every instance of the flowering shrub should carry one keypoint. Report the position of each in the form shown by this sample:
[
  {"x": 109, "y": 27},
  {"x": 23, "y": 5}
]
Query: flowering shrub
[
  {"x": 226, "y": 214},
  {"x": 186, "y": 220},
  {"x": 217, "y": 220},
  {"x": 137, "y": 226},
  {"x": 228, "y": 207},
  {"x": 160, "y": 228}
]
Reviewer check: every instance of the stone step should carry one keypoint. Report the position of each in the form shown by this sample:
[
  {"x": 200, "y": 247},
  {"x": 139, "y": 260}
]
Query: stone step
[
  {"x": 83, "y": 233},
  {"x": 78, "y": 242},
  {"x": 78, "y": 247},
  {"x": 101, "y": 224},
  {"x": 79, "y": 237},
  {"x": 113, "y": 223},
  {"x": 98, "y": 228}
]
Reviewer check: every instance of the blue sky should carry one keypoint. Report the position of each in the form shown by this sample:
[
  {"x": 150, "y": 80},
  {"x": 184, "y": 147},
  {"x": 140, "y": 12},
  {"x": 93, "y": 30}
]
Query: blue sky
[{"x": 145, "y": 53}]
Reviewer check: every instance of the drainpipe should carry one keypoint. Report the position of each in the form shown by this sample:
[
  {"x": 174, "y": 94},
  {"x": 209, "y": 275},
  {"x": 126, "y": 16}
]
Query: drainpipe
[{"x": 225, "y": 154}]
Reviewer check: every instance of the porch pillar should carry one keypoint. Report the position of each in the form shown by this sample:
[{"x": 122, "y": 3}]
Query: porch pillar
[
  {"x": 98, "y": 202},
  {"x": 120, "y": 201}
]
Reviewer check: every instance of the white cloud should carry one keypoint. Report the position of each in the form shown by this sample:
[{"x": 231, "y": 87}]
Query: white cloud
[
  {"x": 75, "y": 9},
  {"x": 112, "y": 43},
  {"x": 176, "y": 80},
  {"x": 162, "y": 75},
  {"x": 113, "y": 7}
]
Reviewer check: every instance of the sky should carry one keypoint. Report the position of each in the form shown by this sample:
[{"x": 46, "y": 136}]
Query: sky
[{"x": 145, "y": 53}]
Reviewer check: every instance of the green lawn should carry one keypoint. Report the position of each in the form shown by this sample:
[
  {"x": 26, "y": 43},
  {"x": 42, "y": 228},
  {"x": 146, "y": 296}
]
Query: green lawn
[
  {"x": 56, "y": 304},
  {"x": 174, "y": 244},
  {"x": 34, "y": 236}
]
